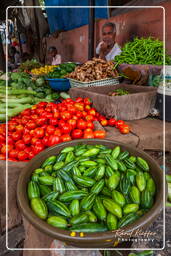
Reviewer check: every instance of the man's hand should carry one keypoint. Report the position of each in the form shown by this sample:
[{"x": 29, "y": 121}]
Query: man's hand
[{"x": 103, "y": 50}]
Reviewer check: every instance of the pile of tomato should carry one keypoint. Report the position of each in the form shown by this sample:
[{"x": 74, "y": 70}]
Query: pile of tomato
[{"x": 47, "y": 124}]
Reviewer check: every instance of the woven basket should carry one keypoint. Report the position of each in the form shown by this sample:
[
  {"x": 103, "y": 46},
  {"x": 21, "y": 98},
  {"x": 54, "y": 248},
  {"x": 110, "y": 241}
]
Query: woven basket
[{"x": 102, "y": 82}]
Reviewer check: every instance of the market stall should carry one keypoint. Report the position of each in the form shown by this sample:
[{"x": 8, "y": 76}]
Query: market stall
[{"x": 71, "y": 193}]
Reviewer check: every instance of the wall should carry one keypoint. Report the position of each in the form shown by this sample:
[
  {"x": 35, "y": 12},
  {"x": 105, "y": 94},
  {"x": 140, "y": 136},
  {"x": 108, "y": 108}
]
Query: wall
[{"x": 73, "y": 44}]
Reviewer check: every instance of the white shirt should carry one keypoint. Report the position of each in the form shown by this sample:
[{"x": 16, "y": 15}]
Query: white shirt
[
  {"x": 116, "y": 50},
  {"x": 56, "y": 60}
]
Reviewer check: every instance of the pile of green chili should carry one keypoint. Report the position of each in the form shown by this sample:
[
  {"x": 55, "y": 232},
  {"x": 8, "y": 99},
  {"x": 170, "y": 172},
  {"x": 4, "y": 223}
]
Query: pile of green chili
[{"x": 143, "y": 51}]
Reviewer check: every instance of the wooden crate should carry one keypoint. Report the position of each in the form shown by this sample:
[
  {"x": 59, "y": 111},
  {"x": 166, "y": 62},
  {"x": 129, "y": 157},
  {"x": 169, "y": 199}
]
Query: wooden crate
[{"x": 133, "y": 106}]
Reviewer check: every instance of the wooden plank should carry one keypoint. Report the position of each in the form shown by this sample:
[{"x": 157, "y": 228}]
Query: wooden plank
[
  {"x": 35, "y": 239},
  {"x": 15, "y": 237},
  {"x": 14, "y": 217},
  {"x": 150, "y": 133}
]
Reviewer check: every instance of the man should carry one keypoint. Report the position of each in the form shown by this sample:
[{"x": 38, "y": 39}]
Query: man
[
  {"x": 56, "y": 58},
  {"x": 107, "y": 49}
]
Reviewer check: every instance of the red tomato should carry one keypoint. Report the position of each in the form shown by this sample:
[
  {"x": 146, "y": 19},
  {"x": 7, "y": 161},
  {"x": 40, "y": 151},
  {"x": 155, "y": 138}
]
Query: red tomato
[
  {"x": 20, "y": 145},
  {"x": 16, "y": 135},
  {"x": 101, "y": 118},
  {"x": 34, "y": 140},
  {"x": 53, "y": 121},
  {"x": 27, "y": 139},
  {"x": 66, "y": 137},
  {"x": 13, "y": 153},
  {"x": 66, "y": 128},
  {"x": 84, "y": 113},
  {"x": 42, "y": 104},
  {"x": 34, "y": 117},
  {"x": 41, "y": 121},
  {"x": 112, "y": 122},
  {"x": 11, "y": 127},
  {"x": 58, "y": 132},
  {"x": 87, "y": 107},
  {"x": 38, "y": 148},
  {"x": 99, "y": 134},
  {"x": 79, "y": 114},
  {"x": 2, "y": 138},
  {"x": 89, "y": 118},
  {"x": 31, "y": 125},
  {"x": 69, "y": 100},
  {"x": 104, "y": 122},
  {"x": 61, "y": 123},
  {"x": 81, "y": 124},
  {"x": 53, "y": 140},
  {"x": 79, "y": 106},
  {"x": 90, "y": 125},
  {"x": 44, "y": 126},
  {"x": 22, "y": 155},
  {"x": 27, "y": 150},
  {"x": 39, "y": 111},
  {"x": 39, "y": 132},
  {"x": 45, "y": 140},
  {"x": 19, "y": 128},
  {"x": 51, "y": 105},
  {"x": 87, "y": 101},
  {"x": 56, "y": 114},
  {"x": 88, "y": 135},
  {"x": 50, "y": 129},
  {"x": 31, "y": 133},
  {"x": 26, "y": 131},
  {"x": 92, "y": 112},
  {"x": 49, "y": 115},
  {"x": 26, "y": 112},
  {"x": 72, "y": 123},
  {"x": 77, "y": 134},
  {"x": 2, "y": 157},
  {"x": 124, "y": 129},
  {"x": 31, "y": 154},
  {"x": 6, "y": 148},
  {"x": 44, "y": 114},
  {"x": 119, "y": 123},
  {"x": 79, "y": 99},
  {"x": 10, "y": 141},
  {"x": 66, "y": 115},
  {"x": 71, "y": 109},
  {"x": 25, "y": 120},
  {"x": 88, "y": 130},
  {"x": 75, "y": 117},
  {"x": 48, "y": 109}
]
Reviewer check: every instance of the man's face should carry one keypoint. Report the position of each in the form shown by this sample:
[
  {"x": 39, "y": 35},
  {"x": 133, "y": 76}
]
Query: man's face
[{"x": 108, "y": 36}]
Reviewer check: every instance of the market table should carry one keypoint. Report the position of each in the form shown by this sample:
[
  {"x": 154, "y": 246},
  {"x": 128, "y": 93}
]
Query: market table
[{"x": 146, "y": 134}]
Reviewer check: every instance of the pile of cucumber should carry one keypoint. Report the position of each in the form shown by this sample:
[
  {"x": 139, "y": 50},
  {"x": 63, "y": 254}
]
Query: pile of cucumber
[{"x": 91, "y": 188}]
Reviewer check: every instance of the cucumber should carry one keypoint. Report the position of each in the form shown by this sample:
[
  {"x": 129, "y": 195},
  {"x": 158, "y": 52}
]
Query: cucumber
[
  {"x": 57, "y": 221},
  {"x": 71, "y": 195},
  {"x": 89, "y": 227},
  {"x": 58, "y": 207}
]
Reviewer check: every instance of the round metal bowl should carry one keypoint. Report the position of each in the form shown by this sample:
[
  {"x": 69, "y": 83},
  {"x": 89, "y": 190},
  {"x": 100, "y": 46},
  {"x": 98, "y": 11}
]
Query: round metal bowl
[{"x": 90, "y": 240}]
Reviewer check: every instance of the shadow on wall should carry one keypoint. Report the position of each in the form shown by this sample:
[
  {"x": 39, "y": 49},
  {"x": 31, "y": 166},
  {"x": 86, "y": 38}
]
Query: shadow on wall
[{"x": 69, "y": 52}]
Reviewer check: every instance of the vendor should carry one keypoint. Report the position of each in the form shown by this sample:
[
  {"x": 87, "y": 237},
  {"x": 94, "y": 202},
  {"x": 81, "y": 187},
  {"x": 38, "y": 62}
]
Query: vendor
[
  {"x": 56, "y": 58},
  {"x": 107, "y": 49}
]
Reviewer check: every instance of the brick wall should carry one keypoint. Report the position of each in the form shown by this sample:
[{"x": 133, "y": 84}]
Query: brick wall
[{"x": 73, "y": 44}]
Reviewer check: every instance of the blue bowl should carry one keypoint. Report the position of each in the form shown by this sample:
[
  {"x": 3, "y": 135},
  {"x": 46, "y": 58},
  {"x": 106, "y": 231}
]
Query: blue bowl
[{"x": 59, "y": 84}]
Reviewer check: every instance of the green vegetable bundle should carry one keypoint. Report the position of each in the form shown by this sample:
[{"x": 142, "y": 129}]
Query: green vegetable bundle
[
  {"x": 23, "y": 92},
  {"x": 62, "y": 70},
  {"x": 91, "y": 188},
  {"x": 143, "y": 51},
  {"x": 29, "y": 64}
]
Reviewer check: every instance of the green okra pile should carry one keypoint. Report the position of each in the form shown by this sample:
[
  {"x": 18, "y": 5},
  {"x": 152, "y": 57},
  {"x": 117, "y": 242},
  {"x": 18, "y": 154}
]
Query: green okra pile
[
  {"x": 143, "y": 51},
  {"x": 91, "y": 188}
]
